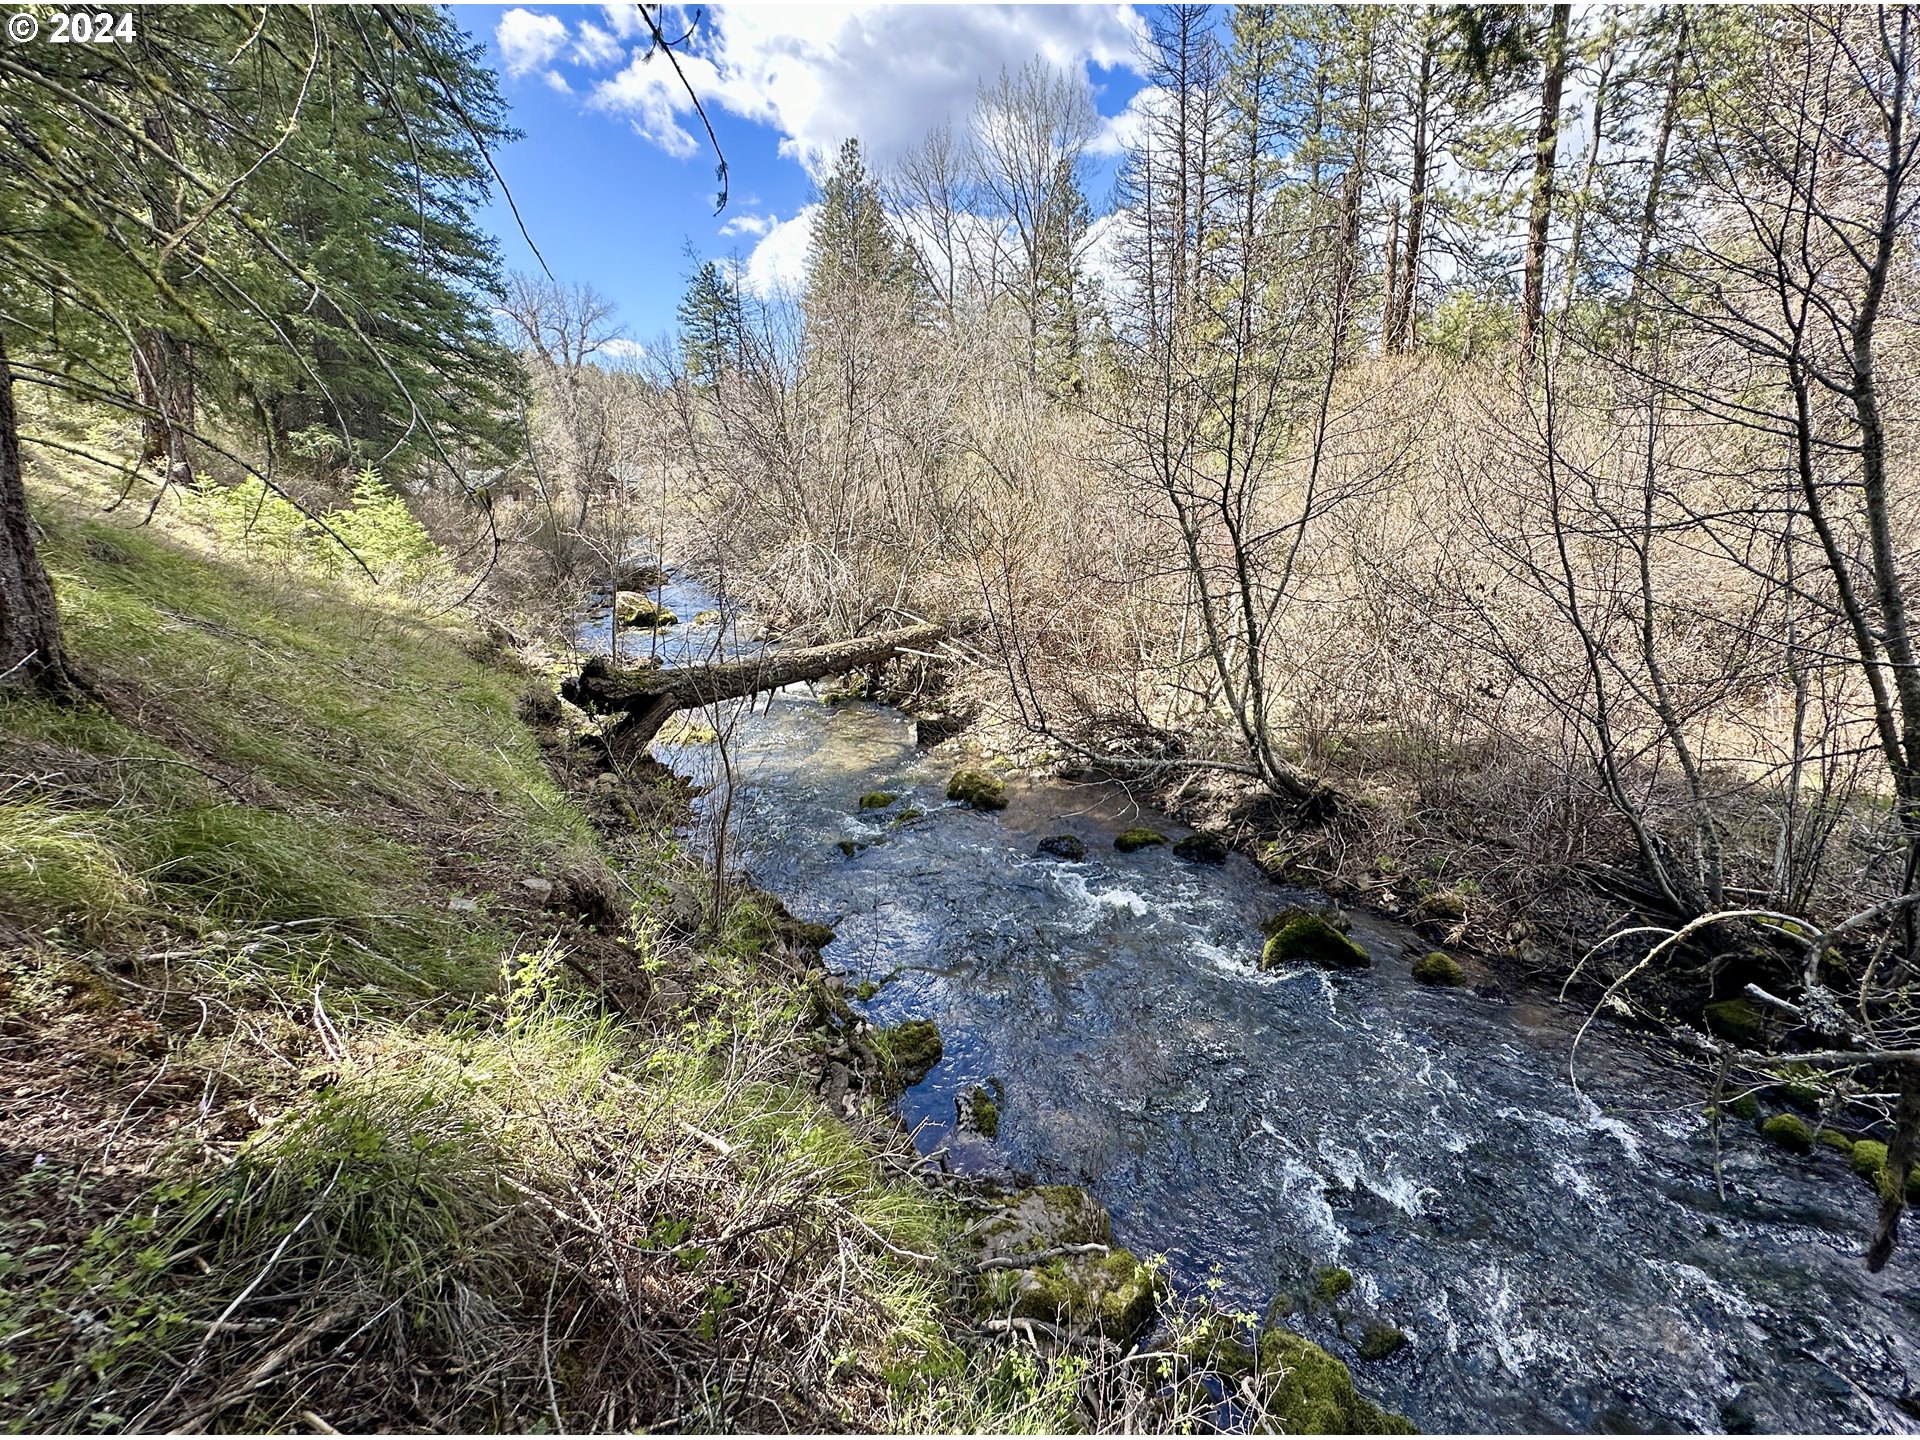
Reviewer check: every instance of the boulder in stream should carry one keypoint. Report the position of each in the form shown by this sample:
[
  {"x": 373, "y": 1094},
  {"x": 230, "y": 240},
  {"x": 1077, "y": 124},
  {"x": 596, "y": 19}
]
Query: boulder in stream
[
  {"x": 909, "y": 1051},
  {"x": 632, "y": 607},
  {"x": 1202, "y": 848},
  {"x": 1290, "y": 1385},
  {"x": 1437, "y": 967},
  {"x": 1138, "y": 838},
  {"x": 978, "y": 789},
  {"x": 1064, "y": 847},
  {"x": 1299, "y": 936}
]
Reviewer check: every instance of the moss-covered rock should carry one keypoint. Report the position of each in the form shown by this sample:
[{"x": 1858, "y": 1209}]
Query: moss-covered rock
[
  {"x": 1378, "y": 1340},
  {"x": 981, "y": 1111},
  {"x": 1202, "y": 849},
  {"x": 1330, "y": 1282},
  {"x": 1308, "y": 1392},
  {"x": 1442, "y": 905},
  {"x": 1042, "y": 1218},
  {"x": 708, "y": 617},
  {"x": 1746, "y": 1107},
  {"x": 850, "y": 848},
  {"x": 1735, "y": 1020},
  {"x": 877, "y": 799},
  {"x": 1869, "y": 1158},
  {"x": 1304, "y": 938},
  {"x": 1114, "y": 1294},
  {"x": 632, "y": 607},
  {"x": 1138, "y": 838},
  {"x": 1835, "y": 1140},
  {"x": 908, "y": 815},
  {"x": 909, "y": 1051},
  {"x": 1064, "y": 847},
  {"x": 1789, "y": 1132},
  {"x": 1438, "y": 968},
  {"x": 1869, "y": 1161},
  {"x": 978, "y": 789}
]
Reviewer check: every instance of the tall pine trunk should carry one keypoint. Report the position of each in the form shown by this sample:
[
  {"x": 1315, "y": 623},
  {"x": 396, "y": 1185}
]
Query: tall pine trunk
[
  {"x": 1546, "y": 144},
  {"x": 31, "y": 656}
]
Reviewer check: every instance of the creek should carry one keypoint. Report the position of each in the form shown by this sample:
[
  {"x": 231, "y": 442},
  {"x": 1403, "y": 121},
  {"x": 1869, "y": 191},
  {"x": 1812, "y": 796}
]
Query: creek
[{"x": 1559, "y": 1257}]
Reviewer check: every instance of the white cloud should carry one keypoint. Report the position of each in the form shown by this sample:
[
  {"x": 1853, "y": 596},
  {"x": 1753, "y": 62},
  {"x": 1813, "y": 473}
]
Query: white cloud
[
  {"x": 528, "y": 41},
  {"x": 748, "y": 225},
  {"x": 652, "y": 97},
  {"x": 596, "y": 48},
  {"x": 557, "y": 81},
  {"x": 819, "y": 73},
  {"x": 1117, "y": 132},
  {"x": 621, "y": 351},
  {"x": 779, "y": 261}
]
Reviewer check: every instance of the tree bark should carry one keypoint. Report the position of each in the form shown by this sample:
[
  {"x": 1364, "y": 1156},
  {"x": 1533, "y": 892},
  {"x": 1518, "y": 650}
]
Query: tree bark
[
  {"x": 31, "y": 656},
  {"x": 1656, "y": 177},
  {"x": 1546, "y": 145},
  {"x": 648, "y": 697}
]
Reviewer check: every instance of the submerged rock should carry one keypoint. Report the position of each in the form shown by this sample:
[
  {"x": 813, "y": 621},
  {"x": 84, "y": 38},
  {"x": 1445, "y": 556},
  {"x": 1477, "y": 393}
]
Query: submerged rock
[
  {"x": 978, "y": 789},
  {"x": 1202, "y": 849},
  {"x": 1138, "y": 838},
  {"x": 1438, "y": 968},
  {"x": 1064, "y": 847},
  {"x": 877, "y": 799},
  {"x": 1300, "y": 937}
]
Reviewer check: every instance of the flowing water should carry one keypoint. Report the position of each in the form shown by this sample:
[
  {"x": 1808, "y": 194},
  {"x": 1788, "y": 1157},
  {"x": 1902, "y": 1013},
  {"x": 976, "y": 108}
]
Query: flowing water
[{"x": 1560, "y": 1257}]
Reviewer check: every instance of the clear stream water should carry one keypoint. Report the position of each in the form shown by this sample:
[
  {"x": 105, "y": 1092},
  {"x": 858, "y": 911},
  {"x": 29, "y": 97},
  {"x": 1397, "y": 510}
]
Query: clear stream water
[{"x": 1560, "y": 1258}]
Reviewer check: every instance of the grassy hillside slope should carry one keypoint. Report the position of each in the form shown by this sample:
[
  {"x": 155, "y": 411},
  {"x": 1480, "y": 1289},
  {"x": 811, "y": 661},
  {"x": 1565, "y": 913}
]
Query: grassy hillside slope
[{"x": 309, "y": 1119}]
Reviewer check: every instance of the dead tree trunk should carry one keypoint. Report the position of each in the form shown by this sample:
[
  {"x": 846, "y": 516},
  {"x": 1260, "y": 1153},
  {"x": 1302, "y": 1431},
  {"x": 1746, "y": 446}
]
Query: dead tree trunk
[{"x": 648, "y": 697}]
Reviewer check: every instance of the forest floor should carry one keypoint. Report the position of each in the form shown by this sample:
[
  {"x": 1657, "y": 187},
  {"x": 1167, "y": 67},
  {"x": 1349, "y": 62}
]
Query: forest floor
[{"x": 376, "y": 1052}]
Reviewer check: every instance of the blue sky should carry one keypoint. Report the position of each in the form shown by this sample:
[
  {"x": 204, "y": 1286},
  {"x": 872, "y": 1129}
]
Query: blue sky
[{"x": 614, "y": 177}]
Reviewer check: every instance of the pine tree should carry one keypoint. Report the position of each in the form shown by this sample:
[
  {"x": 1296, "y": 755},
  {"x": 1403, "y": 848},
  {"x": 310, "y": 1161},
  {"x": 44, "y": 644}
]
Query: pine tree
[
  {"x": 853, "y": 245},
  {"x": 709, "y": 317},
  {"x": 260, "y": 220},
  {"x": 1059, "y": 283}
]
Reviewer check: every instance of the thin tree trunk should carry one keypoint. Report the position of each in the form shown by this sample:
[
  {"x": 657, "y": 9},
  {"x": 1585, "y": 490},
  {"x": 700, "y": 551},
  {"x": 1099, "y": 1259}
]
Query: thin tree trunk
[
  {"x": 1571, "y": 290},
  {"x": 31, "y": 656},
  {"x": 1546, "y": 146},
  {"x": 1656, "y": 177},
  {"x": 1406, "y": 297}
]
